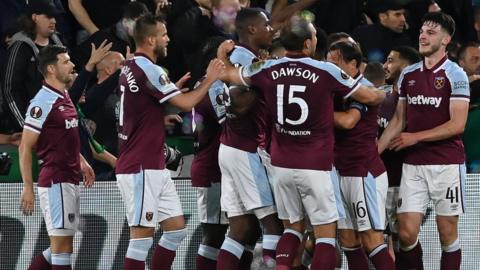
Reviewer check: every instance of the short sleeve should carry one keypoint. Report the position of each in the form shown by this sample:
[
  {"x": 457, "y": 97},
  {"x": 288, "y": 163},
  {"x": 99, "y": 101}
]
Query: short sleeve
[
  {"x": 342, "y": 83},
  {"x": 401, "y": 86},
  {"x": 253, "y": 69},
  {"x": 215, "y": 94},
  {"x": 162, "y": 87},
  {"x": 37, "y": 113},
  {"x": 460, "y": 85}
]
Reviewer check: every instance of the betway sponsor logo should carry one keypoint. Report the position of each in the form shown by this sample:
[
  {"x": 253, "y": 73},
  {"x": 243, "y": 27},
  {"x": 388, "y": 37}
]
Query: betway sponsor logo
[
  {"x": 71, "y": 123},
  {"x": 423, "y": 100}
]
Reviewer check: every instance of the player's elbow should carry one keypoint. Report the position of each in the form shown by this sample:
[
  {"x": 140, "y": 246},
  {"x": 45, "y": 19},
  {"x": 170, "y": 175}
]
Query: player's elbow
[{"x": 348, "y": 123}]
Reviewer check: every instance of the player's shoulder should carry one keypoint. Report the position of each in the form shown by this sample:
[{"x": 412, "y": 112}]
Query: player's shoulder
[
  {"x": 46, "y": 95},
  {"x": 452, "y": 68},
  {"x": 242, "y": 56},
  {"x": 413, "y": 67},
  {"x": 147, "y": 65}
]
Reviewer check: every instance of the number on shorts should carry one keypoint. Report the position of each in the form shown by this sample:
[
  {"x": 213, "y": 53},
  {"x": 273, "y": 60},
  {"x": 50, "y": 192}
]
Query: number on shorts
[
  {"x": 359, "y": 210},
  {"x": 451, "y": 195}
]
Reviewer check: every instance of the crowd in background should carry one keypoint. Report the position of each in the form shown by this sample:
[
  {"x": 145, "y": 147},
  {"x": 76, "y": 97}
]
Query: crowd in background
[{"x": 98, "y": 34}]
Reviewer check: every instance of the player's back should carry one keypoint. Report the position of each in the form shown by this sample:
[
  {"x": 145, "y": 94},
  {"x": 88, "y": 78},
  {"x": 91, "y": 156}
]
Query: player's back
[
  {"x": 143, "y": 86},
  {"x": 298, "y": 94}
]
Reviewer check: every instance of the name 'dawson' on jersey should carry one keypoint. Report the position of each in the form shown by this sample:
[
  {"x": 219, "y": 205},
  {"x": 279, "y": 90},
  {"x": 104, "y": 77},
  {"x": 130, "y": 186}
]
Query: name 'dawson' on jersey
[
  {"x": 423, "y": 100},
  {"x": 297, "y": 72}
]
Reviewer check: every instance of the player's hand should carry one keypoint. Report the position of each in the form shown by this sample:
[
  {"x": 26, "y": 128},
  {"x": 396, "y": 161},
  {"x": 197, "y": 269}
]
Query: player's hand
[
  {"x": 402, "y": 141},
  {"x": 27, "y": 200},
  {"x": 88, "y": 174},
  {"x": 225, "y": 48},
  {"x": 171, "y": 120},
  {"x": 215, "y": 69},
  {"x": 97, "y": 54},
  {"x": 16, "y": 138},
  {"x": 181, "y": 82},
  {"x": 129, "y": 55}
]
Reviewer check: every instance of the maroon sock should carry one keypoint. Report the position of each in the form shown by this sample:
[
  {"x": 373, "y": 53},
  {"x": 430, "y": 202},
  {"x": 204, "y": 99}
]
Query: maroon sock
[
  {"x": 40, "y": 263},
  {"x": 381, "y": 259},
  {"x": 324, "y": 257},
  {"x": 451, "y": 260},
  {"x": 132, "y": 264},
  {"x": 245, "y": 260},
  {"x": 162, "y": 258},
  {"x": 227, "y": 260},
  {"x": 357, "y": 258},
  {"x": 412, "y": 259},
  {"x": 268, "y": 253},
  {"x": 205, "y": 263},
  {"x": 61, "y": 267},
  {"x": 287, "y": 249}
]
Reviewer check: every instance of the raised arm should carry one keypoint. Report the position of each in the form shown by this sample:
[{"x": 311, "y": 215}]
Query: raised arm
[
  {"x": 81, "y": 15},
  {"x": 368, "y": 95}
]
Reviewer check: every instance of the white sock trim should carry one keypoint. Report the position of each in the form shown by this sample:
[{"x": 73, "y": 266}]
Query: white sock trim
[
  {"x": 406, "y": 249},
  {"x": 138, "y": 248},
  {"x": 208, "y": 252},
  {"x": 62, "y": 259},
  {"x": 330, "y": 241},
  {"x": 47, "y": 254},
  {"x": 233, "y": 247},
  {"x": 270, "y": 241},
  {"x": 351, "y": 248},
  {"x": 297, "y": 234},
  {"x": 377, "y": 250},
  {"x": 452, "y": 247}
]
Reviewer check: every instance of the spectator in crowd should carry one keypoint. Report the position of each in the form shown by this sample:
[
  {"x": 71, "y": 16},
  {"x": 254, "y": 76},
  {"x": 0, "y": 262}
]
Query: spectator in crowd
[
  {"x": 377, "y": 40},
  {"x": 120, "y": 34},
  {"x": 20, "y": 77},
  {"x": 94, "y": 15},
  {"x": 469, "y": 60},
  {"x": 338, "y": 16}
]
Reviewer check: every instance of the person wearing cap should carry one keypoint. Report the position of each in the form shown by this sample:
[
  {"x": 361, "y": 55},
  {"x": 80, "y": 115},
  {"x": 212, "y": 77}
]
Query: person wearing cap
[
  {"x": 376, "y": 40},
  {"x": 20, "y": 76}
]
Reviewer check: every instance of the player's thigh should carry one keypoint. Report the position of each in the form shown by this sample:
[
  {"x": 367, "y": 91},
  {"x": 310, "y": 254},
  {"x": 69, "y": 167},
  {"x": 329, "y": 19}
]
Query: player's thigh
[
  {"x": 60, "y": 205},
  {"x": 446, "y": 183},
  {"x": 208, "y": 205},
  {"x": 364, "y": 198},
  {"x": 317, "y": 192},
  {"x": 169, "y": 206},
  {"x": 413, "y": 195},
  {"x": 287, "y": 198}
]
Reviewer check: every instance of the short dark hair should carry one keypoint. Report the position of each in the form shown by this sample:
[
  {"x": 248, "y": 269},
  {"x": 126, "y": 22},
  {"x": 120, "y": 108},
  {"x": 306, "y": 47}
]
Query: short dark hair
[
  {"x": 294, "y": 34},
  {"x": 445, "y": 21},
  {"x": 334, "y": 37},
  {"x": 408, "y": 54},
  {"x": 49, "y": 56},
  {"x": 245, "y": 17},
  {"x": 349, "y": 51},
  {"x": 374, "y": 72},
  {"x": 463, "y": 50},
  {"x": 322, "y": 44},
  {"x": 146, "y": 26},
  {"x": 133, "y": 10}
]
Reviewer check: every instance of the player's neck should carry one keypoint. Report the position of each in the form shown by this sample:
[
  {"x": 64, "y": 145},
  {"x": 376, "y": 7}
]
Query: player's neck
[
  {"x": 250, "y": 45},
  {"x": 149, "y": 53},
  {"x": 433, "y": 59},
  {"x": 59, "y": 86}
]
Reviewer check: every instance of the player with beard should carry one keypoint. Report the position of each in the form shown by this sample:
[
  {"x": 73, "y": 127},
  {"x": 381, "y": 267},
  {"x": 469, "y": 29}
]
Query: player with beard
[
  {"x": 297, "y": 92},
  {"x": 246, "y": 192},
  {"x": 144, "y": 182},
  {"x": 363, "y": 179},
  {"x": 435, "y": 89},
  {"x": 398, "y": 59},
  {"x": 51, "y": 128}
]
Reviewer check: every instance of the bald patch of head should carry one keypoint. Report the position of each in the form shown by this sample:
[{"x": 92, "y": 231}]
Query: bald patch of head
[{"x": 111, "y": 61}]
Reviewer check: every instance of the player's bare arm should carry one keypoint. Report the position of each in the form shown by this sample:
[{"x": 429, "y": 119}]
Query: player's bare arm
[
  {"x": 186, "y": 101},
  {"x": 87, "y": 171},
  {"x": 369, "y": 95},
  {"x": 27, "y": 199},
  {"x": 455, "y": 126},
  {"x": 395, "y": 126},
  {"x": 231, "y": 74},
  {"x": 347, "y": 119}
]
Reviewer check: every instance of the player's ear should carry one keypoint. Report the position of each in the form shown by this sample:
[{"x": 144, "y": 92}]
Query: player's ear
[
  {"x": 252, "y": 29},
  {"x": 446, "y": 40},
  {"x": 307, "y": 44},
  {"x": 51, "y": 69}
]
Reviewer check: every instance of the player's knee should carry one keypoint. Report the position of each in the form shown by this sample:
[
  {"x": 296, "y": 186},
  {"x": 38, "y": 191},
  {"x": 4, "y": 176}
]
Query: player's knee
[
  {"x": 213, "y": 234},
  {"x": 349, "y": 239},
  {"x": 138, "y": 248},
  {"x": 172, "y": 239},
  {"x": 407, "y": 237}
]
